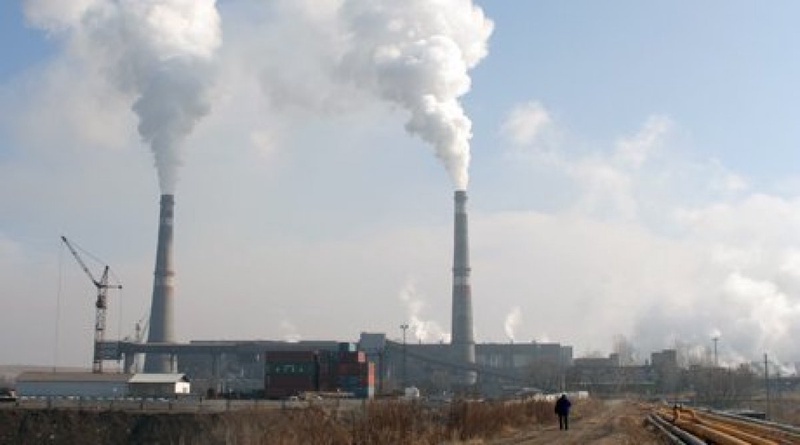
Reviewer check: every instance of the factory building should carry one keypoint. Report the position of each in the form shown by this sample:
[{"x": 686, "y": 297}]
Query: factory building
[
  {"x": 240, "y": 368},
  {"x": 497, "y": 365},
  {"x": 68, "y": 384},
  {"x": 159, "y": 385},
  {"x": 231, "y": 368},
  {"x": 107, "y": 386},
  {"x": 345, "y": 372},
  {"x": 607, "y": 375},
  {"x": 523, "y": 355}
]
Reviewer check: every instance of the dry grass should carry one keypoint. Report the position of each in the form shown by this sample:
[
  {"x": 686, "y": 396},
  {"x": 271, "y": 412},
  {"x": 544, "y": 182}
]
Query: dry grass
[
  {"x": 375, "y": 423},
  {"x": 405, "y": 423},
  {"x": 400, "y": 423}
]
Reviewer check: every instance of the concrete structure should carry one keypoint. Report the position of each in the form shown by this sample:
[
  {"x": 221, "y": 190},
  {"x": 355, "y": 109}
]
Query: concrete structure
[
  {"x": 238, "y": 367},
  {"x": 667, "y": 358},
  {"x": 72, "y": 384},
  {"x": 523, "y": 355},
  {"x": 162, "y": 329},
  {"x": 430, "y": 367},
  {"x": 603, "y": 376},
  {"x": 159, "y": 385},
  {"x": 374, "y": 346},
  {"x": 462, "y": 338},
  {"x": 612, "y": 361},
  {"x": 223, "y": 366}
]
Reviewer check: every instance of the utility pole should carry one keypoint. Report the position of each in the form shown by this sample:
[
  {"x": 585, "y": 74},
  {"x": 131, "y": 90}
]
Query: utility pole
[
  {"x": 404, "y": 327},
  {"x": 716, "y": 361},
  {"x": 766, "y": 383}
]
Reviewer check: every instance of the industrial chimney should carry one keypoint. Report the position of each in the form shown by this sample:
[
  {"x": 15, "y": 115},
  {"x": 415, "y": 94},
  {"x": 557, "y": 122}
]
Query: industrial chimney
[
  {"x": 162, "y": 329},
  {"x": 462, "y": 339}
]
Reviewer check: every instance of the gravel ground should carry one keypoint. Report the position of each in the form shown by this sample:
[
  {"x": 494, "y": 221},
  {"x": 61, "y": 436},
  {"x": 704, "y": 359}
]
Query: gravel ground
[{"x": 618, "y": 422}]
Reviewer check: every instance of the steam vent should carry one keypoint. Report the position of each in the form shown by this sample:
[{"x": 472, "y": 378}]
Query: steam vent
[
  {"x": 162, "y": 329},
  {"x": 463, "y": 342}
]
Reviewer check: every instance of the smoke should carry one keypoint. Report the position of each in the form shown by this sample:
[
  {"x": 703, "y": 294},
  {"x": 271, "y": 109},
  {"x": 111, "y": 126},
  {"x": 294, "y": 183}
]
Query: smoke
[
  {"x": 416, "y": 54},
  {"x": 513, "y": 320},
  {"x": 160, "y": 53},
  {"x": 422, "y": 330},
  {"x": 290, "y": 332}
]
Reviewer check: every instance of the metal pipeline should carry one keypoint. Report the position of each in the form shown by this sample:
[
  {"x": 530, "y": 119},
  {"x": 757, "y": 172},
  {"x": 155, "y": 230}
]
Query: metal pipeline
[{"x": 673, "y": 433}]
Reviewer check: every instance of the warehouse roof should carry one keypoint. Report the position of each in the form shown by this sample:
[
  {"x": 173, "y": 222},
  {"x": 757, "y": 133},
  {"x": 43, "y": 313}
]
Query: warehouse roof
[
  {"x": 31, "y": 377},
  {"x": 158, "y": 378}
]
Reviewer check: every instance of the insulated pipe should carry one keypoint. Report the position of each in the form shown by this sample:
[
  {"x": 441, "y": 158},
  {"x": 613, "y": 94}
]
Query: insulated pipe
[{"x": 673, "y": 433}]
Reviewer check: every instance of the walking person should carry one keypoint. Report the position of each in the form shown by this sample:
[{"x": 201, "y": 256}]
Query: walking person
[{"x": 562, "y": 409}]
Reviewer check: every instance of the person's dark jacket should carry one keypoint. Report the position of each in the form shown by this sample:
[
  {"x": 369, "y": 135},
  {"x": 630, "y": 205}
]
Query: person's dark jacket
[{"x": 562, "y": 406}]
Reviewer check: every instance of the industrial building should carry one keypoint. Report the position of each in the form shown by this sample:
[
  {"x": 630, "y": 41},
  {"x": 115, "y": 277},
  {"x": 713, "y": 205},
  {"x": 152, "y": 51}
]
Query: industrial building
[
  {"x": 240, "y": 368},
  {"x": 159, "y": 385},
  {"x": 254, "y": 368},
  {"x": 107, "y": 385},
  {"x": 65, "y": 384}
]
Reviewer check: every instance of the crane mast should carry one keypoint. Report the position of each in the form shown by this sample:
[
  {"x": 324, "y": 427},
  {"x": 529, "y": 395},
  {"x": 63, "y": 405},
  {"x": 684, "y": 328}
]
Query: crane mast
[{"x": 101, "y": 306}]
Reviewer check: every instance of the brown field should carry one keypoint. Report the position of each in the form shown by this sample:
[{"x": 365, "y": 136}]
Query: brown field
[{"x": 373, "y": 423}]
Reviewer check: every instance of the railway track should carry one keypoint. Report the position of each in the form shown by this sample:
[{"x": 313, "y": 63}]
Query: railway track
[{"x": 695, "y": 427}]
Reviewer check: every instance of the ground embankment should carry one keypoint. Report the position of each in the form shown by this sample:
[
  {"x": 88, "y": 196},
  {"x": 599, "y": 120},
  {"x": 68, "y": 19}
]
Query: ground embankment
[
  {"x": 371, "y": 423},
  {"x": 119, "y": 427}
]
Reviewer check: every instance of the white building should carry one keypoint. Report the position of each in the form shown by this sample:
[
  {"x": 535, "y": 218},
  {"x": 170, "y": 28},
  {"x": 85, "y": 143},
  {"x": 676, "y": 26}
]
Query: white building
[{"x": 159, "y": 385}]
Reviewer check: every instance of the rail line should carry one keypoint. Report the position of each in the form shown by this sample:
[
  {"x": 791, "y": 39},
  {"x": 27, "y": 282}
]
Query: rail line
[{"x": 694, "y": 426}]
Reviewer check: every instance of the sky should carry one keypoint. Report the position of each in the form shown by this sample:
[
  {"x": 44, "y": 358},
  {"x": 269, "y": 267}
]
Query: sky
[{"x": 631, "y": 170}]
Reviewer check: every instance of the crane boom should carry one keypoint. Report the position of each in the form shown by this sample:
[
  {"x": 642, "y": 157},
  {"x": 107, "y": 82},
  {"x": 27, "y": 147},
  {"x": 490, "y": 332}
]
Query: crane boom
[
  {"x": 101, "y": 305},
  {"x": 80, "y": 260}
]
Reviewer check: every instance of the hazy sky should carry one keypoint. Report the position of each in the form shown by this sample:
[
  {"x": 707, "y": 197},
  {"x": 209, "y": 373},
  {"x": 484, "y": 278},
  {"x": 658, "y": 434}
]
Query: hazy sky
[{"x": 633, "y": 169}]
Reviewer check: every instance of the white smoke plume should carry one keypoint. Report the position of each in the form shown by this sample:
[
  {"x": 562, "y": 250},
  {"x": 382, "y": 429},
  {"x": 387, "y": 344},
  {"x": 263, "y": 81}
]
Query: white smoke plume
[
  {"x": 422, "y": 330},
  {"x": 417, "y": 54},
  {"x": 290, "y": 332},
  {"x": 160, "y": 52},
  {"x": 513, "y": 320}
]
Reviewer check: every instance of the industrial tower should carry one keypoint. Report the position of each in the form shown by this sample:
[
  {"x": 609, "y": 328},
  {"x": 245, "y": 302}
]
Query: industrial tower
[
  {"x": 162, "y": 328},
  {"x": 462, "y": 338}
]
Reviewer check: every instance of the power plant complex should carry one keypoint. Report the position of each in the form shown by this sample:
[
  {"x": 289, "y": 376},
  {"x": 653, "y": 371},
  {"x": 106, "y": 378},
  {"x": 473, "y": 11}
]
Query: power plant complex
[
  {"x": 372, "y": 365},
  {"x": 174, "y": 74}
]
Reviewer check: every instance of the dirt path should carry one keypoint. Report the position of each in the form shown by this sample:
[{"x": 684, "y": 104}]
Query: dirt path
[{"x": 616, "y": 423}]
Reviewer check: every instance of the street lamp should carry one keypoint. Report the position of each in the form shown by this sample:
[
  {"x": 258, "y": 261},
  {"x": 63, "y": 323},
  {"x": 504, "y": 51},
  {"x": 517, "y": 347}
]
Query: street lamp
[
  {"x": 716, "y": 362},
  {"x": 404, "y": 327}
]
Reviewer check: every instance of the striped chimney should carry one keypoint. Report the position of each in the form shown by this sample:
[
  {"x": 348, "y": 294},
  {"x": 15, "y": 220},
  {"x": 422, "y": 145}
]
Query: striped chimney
[
  {"x": 162, "y": 328},
  {"x": 462, "y": 338}
]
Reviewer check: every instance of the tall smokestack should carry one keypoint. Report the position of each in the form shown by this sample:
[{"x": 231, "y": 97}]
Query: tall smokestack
[
  {"x": 463, "y": 342},
  {"x": 162, "y": 329}
]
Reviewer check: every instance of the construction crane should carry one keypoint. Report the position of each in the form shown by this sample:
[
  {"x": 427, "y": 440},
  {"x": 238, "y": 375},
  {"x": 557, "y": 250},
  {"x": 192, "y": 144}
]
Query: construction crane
[{"x": 101, "y": 305}]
